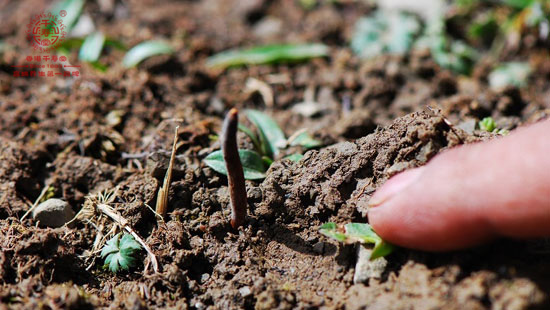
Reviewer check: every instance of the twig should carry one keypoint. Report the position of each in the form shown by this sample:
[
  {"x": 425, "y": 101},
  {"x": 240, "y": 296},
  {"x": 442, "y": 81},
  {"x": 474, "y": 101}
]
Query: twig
[
  {"x": 235, "y": 174},
  {"x": 44, "y": 190},
  {"x": 110, "y": 212},
  {"x": 162, "y": 197}
]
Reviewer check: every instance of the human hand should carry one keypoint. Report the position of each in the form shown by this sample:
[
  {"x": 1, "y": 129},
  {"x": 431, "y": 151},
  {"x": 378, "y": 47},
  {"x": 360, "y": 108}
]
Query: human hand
[{"x": 470, "y": 194}]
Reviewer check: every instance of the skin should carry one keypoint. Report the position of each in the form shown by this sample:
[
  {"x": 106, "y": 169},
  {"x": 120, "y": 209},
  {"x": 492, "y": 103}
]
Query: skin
[{"x": 470, "y": 194}]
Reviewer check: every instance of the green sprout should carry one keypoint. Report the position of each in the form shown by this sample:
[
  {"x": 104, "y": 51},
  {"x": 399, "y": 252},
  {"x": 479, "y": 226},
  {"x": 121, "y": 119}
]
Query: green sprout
[
  {"x": 119, "y": 253},
  {"x": 358, "y": 232},
  {"x": 267, "y": 54},
  {"x": 145, "y": 50},
  {"x": 268, "y": 142},
  {"x": 488, "y": 124}
]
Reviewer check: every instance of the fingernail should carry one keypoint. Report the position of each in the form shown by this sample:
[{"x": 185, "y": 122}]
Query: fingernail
[{"x": 394, "y": 185}]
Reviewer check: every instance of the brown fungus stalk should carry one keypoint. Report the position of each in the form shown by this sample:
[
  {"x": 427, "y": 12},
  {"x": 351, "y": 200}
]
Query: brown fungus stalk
[{"x": 235, "y": 174}]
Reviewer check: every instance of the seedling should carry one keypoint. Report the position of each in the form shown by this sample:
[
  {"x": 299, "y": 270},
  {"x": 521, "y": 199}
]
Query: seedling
[
  {"x": 267, "y": 54},
  {"x": 489, "y": 125},
  {"x": 119, "y": 253},
  {"x": 358, "y": 232},
  {"x": 162, "y": 197},
  {"x": 234, "y": 168},
  {"x": 268, "y": 143},
  {"x": 145, "y": 50}
]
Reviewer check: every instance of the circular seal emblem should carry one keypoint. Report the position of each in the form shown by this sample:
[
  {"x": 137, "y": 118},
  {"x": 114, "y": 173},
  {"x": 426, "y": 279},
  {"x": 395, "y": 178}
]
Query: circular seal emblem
[
  {"x": 46, "y": 31},
  {"x": 63, "y": 13}
]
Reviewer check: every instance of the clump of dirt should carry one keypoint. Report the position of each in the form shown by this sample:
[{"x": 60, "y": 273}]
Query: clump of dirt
[
  {"x": 417, "y": 287},
  {"x": 333, "y": 184},
  {"x": 21, "y": 175}
]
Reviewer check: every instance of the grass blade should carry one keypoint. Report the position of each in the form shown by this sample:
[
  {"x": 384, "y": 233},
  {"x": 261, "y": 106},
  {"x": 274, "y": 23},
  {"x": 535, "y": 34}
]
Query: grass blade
[
  {"x": 267, "y": 54},
  {"x": 92, "y": 47},
  {"x": 145, "y": 50}
]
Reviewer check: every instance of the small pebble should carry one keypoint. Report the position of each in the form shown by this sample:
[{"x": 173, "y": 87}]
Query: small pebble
[
  {"x": 53, "y": 213},
  {"x": 245, "y": 291}
]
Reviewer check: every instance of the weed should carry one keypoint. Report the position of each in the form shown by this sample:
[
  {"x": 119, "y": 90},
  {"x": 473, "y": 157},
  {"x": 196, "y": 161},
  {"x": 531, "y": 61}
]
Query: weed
[
  {"x": 358, "y": 232},
  {"x": 488, "y": 124},
  {"x": 119, "y": 252}
]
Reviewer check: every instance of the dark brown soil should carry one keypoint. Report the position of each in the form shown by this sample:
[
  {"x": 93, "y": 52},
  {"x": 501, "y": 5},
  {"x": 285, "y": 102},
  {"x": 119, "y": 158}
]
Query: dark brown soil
[{"x": 114, "y": 129}]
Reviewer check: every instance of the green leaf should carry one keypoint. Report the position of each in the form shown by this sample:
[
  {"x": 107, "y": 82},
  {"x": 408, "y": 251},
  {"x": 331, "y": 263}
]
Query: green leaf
[
  {"x": 111, "y": 246},
  {"x": 331, "y": 230},
  {"x": 271, "y": 136},
  {"x": 295, "y": 157},
  {"x": 267, "y": 54},
  {"x": 116, "y": 44},
  {"x": 99, "y": 66},
  {"x": 71, "y": 43},
  {"x": 251, "y": 135},
  {"x": 487, "y": 124},
  {"x": 358, "y": 232},
  {"x": 384, "y": 32},
  {"x": 304, "y": 139},
  {"x": 145, "y": 50},
  {"x": 73, "y": 8},
  {"x": 253, "y": 166},
  {"x": 510, "y": 74},
  {"x": 119, "y": 253},
  {"x": 361, "y": 232},
  {"x": 381, "y": 249},
  {"x": 92, "y": 46}
]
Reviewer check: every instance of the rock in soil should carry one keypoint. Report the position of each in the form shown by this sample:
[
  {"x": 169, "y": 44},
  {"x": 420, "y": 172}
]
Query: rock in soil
[
  {"x": 53, "y": 213},
  {"x": 365, "y": 268}
]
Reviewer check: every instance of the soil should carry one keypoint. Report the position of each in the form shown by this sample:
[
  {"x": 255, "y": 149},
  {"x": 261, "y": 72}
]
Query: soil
[{"x": 82, "y": 136}]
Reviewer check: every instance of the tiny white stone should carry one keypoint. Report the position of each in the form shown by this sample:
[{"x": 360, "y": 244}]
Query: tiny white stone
[{"x": 245, "y": 291}]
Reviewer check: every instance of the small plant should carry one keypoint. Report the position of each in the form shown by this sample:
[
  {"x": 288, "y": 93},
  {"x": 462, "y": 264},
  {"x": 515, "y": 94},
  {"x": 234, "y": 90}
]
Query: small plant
[
  {"x": 488, "y": 124},
  {"x": 267, "y": 54},
  {"x": 119, "y": 252},
  {"x": 145, "y": 50},
  {"x": 358, "y": 232},
  {"x": 234, "y": 168},
  {"x": 268, "y": 143}
]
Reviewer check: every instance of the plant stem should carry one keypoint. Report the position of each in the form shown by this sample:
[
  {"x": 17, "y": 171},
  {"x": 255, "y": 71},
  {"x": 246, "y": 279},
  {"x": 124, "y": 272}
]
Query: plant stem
[{"x": 235, "y": 174}]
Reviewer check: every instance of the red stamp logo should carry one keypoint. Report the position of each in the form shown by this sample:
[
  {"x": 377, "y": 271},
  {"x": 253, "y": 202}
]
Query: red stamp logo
[{"x": 46, "y": 31}]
